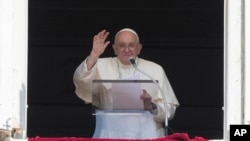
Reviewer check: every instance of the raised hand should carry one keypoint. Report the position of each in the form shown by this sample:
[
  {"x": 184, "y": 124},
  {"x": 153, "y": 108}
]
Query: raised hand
[
  {"x": 99, "y": 46},
  {"x": 100, "y": 43}
]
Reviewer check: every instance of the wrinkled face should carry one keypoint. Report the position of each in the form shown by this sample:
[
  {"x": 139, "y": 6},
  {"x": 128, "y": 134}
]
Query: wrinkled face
[{"x": 126, "y": 45}]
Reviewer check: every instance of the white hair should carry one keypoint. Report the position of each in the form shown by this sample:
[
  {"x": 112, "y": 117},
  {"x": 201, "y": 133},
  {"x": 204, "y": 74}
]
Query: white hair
[{"x": 127, "y": 29}]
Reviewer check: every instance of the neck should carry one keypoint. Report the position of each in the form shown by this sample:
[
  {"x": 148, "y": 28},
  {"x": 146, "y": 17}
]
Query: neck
[
  {"x": 125, "y": 69},
  {"x": 127, "y": 63}
]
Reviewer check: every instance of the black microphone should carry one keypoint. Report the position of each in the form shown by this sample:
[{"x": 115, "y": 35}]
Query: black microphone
[{"x": 132, "y": 60}]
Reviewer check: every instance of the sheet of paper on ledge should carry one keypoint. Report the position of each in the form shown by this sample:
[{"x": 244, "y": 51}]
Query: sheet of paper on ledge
[{"x": 126, "y": 96}]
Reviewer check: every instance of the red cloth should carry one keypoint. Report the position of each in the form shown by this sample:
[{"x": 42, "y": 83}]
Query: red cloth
[{"x": 173, "y": 137}]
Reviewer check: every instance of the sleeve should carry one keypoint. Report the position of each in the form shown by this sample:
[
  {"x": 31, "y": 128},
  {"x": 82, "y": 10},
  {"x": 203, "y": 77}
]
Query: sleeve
[
  {"x": 83, "y": 81},
  {"x": 166, "y": 100},
  {"x": 160, "y": 113}
]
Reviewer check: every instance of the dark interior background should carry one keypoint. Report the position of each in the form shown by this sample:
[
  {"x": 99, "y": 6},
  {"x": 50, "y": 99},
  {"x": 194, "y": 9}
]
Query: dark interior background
[{"x": 184, "y": 36}]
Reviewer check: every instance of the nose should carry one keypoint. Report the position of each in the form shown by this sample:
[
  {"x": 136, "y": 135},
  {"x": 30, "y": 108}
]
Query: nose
[{"x": 126, "y": 49}]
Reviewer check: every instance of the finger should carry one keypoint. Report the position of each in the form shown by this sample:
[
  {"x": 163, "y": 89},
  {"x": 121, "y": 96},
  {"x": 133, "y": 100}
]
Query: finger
[
  {"x": 144, "y": 91},
  {"x": 101, "y": 34},
  {"x": 145, "y": 97},
  {"x": 106, "y": 34},
  {"x": 106, "y": 44},
  {"x": 96, "y": 37}
]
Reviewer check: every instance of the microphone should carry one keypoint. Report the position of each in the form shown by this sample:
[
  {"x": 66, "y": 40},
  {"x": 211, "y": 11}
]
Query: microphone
[{"x": 132, "y": 61}]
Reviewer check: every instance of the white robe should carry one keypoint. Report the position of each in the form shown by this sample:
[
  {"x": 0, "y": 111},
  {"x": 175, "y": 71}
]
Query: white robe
[{"x": 150, "y": 126}]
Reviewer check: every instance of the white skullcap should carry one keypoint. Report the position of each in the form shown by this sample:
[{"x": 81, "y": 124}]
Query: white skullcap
[{"x": 127, "y": 29}]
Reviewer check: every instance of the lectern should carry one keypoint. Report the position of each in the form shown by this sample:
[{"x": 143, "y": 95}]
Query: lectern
[{"x": 119, "y": 111}]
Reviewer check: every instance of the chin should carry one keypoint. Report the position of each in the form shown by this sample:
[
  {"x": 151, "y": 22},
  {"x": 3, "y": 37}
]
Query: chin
[
  {"x": 125, "y": 60},
  {"x": 126, "y": 63}
]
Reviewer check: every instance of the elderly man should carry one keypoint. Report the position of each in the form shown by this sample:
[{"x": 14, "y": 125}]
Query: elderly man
[{"x": 160, "y": 105}]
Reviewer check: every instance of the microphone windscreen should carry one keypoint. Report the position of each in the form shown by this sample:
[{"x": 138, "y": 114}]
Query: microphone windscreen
[{"x": 132, "y": 60}]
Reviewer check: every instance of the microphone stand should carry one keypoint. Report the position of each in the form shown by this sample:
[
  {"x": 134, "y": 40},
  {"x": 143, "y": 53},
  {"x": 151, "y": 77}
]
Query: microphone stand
[{"x": 132, "y": 61}]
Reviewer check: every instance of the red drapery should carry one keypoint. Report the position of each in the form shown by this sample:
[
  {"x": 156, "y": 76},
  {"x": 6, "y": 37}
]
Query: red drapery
[{"x": 173, "y": 137}]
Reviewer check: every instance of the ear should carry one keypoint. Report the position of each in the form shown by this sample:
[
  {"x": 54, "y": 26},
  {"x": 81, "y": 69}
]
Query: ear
[
  {"x": 115, "y": 49},
  {"x": 139, "y": 49}
]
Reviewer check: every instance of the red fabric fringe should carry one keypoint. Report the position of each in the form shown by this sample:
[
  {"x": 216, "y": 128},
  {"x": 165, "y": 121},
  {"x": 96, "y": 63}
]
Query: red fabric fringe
[{"x": 173, "y": 137}]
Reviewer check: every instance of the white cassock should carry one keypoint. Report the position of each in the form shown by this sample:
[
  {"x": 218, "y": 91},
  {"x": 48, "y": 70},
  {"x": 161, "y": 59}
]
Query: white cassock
[{"x": 131, "y": 126}]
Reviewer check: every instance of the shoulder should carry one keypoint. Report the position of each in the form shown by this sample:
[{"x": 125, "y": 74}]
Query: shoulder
[
  {"x": 152, "y": 68},
  {"x": 149, "y": 63},
  {"x": 106, "y": 61}
]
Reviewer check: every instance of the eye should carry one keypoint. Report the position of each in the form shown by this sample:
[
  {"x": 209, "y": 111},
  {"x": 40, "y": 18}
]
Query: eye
[
  {"x": 122, "y": 46},
  {"x": 131, "y": 45}
]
